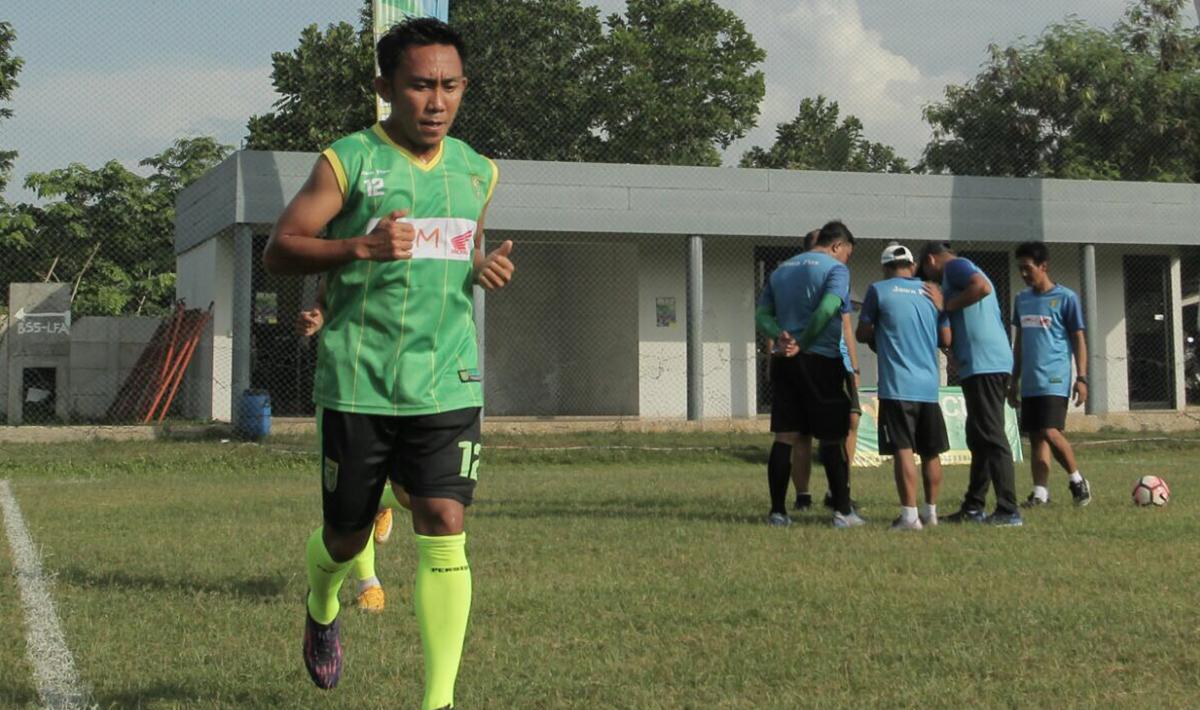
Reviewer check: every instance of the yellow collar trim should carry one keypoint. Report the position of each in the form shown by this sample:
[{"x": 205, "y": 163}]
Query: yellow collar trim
[{"x": 420, "y": 164}]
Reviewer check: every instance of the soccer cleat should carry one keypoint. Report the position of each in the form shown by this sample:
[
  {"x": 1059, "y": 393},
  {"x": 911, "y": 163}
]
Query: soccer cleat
[
  {"x": 803, "y": 503},
  {"x": 1034, "y": 502},
  {"x": 383, "y": 526},
  {"x": 966, "y": 515},
  {"x": 778, "y": 520},
  {"x": 843, "y": 522},
  {"x": 929, "y": 521},
  {"x": 901, "y": 524},
  {"x": 1005, "y": 520},
  {"x": 322, "y": 651},
  {"x": 371, "y": 599},
  {"x": 1081, "y": 492}
]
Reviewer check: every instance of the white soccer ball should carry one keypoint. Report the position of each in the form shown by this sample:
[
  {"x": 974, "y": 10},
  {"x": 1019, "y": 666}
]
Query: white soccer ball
[{"x": 1151, "y": 490}]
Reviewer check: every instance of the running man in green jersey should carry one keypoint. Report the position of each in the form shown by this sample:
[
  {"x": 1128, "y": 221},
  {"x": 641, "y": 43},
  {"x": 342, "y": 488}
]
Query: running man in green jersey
[{"x": 397, "y": 389}]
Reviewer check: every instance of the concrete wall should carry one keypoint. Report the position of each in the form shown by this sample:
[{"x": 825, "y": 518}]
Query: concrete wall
[
  {"x": 561, "y": 338},
  {"x": 104, "y": 351},
  {"x": 40, "y": 338},
  {"x": 662, "y": 349},
  {"x": 729, "y": 339},
  {"x": 3, "y": 368},
  {"x": 205, "y": 275}
]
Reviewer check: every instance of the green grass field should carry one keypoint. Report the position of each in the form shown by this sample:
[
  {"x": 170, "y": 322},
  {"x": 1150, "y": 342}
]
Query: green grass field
[{"x": 615, "y": 578}]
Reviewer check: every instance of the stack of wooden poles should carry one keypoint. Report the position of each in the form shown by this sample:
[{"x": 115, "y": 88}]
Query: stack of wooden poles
[{"x": 155, "y": 379}]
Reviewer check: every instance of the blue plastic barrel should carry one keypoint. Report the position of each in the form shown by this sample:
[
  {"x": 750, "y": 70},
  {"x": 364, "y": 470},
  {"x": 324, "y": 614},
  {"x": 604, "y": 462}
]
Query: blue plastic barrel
[{"x": 254, "y": 414}]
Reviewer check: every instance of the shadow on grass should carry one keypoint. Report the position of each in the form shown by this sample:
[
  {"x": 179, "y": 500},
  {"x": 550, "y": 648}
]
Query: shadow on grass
[
  {"x": 254, "y": 588},
  {"x": 628, "y": 509},
  {"x": 17, "y": 697},
  {"x": 177, "y": 695}
]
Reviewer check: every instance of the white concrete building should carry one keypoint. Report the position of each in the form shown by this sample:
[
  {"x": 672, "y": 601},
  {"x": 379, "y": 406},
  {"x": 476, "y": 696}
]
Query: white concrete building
[{"x": 595, "y": 322}]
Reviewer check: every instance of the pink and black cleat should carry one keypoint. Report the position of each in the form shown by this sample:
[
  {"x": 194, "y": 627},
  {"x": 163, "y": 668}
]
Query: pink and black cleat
[{"x": 322, "y": 651}]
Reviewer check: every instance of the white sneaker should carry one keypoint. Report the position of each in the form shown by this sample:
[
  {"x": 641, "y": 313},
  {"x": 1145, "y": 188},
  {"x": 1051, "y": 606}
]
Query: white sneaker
[
  {"x": 902, "y": 524},
  {"x": 778, "y": 520},
  {"x": 928, "y": 521},
  {"x": 852, "y": 520}
]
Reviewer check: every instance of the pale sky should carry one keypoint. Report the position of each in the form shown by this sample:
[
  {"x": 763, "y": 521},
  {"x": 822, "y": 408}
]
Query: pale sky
[{"x": 122, "y": 80}]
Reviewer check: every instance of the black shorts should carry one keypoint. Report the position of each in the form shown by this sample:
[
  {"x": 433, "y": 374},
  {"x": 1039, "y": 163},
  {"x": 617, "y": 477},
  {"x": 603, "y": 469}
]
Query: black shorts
[
  {"x": 1042, "y": 413},
  {"x": 431, "y": 456},
  {"x": 810, "y": 397},
  {"x": 912, "y": 425},
  {"x": 852, "y": 390}
]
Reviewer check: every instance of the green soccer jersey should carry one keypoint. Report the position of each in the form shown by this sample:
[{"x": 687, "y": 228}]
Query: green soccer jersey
[{"x": 399, "y": 336}]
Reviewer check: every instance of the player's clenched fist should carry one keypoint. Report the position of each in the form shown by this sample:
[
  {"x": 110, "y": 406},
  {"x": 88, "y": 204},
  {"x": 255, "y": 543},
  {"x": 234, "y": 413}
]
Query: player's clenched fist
[
  {"x": 496, "y": 269},
  {"x": 390, "y": 240},
  {"x": 310, "y": 322}
]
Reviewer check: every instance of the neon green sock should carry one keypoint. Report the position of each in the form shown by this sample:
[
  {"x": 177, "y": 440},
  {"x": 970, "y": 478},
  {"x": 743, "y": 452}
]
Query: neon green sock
[
  {"x": 389, "y": 499},
  {"x": 442, "y": 600},
  {"x": 362, "y": 567},
  {"x": 325, "y": 577}
]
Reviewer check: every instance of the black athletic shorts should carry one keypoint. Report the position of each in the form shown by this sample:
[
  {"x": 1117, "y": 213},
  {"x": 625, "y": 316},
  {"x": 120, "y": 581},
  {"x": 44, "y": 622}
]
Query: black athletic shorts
[
  {"x": 912, "y": 425},
  {"x": 809, "y": 396},
  {"x": 431, "y": 456},
  {"x": 1042, "y": 413},
  {"x": 852, "y": 390}
]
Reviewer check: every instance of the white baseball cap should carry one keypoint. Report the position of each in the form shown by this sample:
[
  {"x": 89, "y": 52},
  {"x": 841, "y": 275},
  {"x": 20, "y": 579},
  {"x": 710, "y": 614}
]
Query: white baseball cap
[{"x": 896, "y": 252}]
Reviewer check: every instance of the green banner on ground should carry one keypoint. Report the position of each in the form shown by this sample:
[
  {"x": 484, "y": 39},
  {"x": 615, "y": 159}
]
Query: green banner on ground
[{"x": 954, "y": 410}]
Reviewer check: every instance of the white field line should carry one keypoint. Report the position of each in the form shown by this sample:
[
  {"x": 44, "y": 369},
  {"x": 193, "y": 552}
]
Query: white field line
[{"x": 58, "y": 683}]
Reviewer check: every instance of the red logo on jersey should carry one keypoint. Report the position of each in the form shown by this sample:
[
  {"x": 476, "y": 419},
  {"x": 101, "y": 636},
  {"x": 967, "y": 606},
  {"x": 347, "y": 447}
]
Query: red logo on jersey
[{"x": 458, "y": 245}]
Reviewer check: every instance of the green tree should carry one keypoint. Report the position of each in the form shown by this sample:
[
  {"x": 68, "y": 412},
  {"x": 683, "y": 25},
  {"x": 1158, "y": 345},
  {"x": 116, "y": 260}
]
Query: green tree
[
  {"x": 110, "y": 231},
  {"x": 10, "y": 66},
  {"x": 532, "y": 77},
  {"x": 671, "y": 81},
  {"x": 1080, "y": 102},
  {"x": 324, "y": 87},
  {"x": 677, "y": 82},
  {"x": 814, "y": 140}
]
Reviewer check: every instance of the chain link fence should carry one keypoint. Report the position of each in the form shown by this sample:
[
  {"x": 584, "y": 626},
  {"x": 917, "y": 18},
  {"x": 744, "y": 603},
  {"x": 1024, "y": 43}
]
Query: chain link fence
[{"x": 106, "y": 317}]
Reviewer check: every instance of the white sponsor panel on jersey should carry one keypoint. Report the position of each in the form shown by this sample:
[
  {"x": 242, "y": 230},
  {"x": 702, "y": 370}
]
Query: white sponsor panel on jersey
[
  {"x": 440, "y": 237},
  {"x": 1035, "y": 322}
]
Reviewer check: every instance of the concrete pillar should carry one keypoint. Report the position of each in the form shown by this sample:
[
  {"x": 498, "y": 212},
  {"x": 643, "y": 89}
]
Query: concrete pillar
[
  {"x": 695, "y": 329},
  {"x": 243, "y": 306},
  {"x": 1097, "y": 386},
  {"x": 1178, "y": 379}
]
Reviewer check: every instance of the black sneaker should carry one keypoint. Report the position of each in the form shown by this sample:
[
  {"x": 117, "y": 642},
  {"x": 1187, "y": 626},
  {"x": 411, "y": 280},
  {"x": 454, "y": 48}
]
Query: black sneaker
[
  {"x": 829, "y": 502},
  {"x": 965, "y": 515},
  {"x": 322, "y": 651},
  {"x": 803, "y": 503},
  {"x": 1034, "y": 502},
  {"x": 1081, "y": 492}
]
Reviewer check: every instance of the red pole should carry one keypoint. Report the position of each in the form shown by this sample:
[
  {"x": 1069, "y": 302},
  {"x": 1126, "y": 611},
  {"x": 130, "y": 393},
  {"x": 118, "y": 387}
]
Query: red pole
[
  {"x": 162, "y": 388},
  {"x": 186, "y": 357}
]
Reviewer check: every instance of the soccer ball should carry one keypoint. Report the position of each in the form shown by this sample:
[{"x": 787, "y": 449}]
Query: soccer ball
[{"x": 1151, "y": 490}]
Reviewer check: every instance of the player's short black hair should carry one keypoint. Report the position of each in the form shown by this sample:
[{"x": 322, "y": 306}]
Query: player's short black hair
[
  {"x": 810, "y": 239},
  {"x": 932, "y": 248},
  {"x": 834, "y": 232},
  {"x": 1034, "y": 250},
  {"x": 415, "y": 32}
]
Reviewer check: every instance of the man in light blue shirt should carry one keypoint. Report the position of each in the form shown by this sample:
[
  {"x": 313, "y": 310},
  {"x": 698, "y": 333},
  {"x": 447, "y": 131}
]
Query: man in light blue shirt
[
  {"x": 971, "y": 319},
  {"x": 899, "y": 320},
  {"x": 800, "y": 308},
  {"x": 1048, "y": 327},
  {"x": 802, "y": 449}
]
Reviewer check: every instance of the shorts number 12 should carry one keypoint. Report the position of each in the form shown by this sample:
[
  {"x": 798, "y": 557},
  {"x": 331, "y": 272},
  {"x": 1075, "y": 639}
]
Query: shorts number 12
[{"x": 470, "y": 460}]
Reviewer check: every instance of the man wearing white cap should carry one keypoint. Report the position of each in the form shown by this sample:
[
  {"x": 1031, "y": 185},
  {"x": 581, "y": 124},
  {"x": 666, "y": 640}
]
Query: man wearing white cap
[{"x": 899, "y": 321}]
